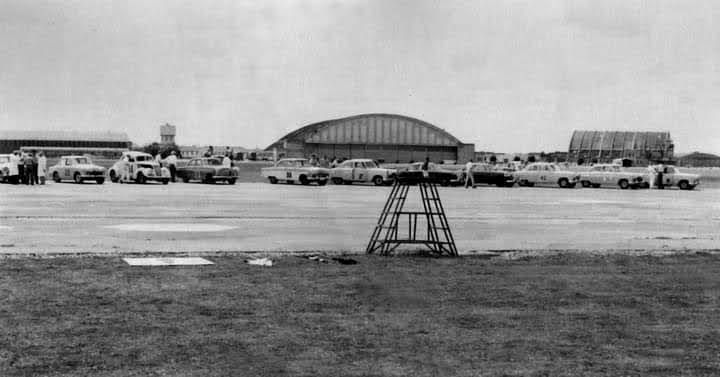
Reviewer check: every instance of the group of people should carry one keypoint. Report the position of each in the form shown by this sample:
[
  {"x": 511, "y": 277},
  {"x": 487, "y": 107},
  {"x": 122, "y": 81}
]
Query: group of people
[
  {"x": 29, "y": 168},
  {"x": 227, "y": 160}
]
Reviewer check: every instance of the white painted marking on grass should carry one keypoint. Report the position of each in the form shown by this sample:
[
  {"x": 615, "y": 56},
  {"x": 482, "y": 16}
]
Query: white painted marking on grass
[
  {"x": 5, "y": 227},
  {"x": 180, "y": 261},
  {"x": 593, "y": 201},
  {"x": 171, "y": 227}
]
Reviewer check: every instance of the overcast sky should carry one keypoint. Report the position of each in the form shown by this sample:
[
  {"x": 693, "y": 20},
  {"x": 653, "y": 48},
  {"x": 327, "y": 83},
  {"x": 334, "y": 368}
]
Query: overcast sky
[{"x": 510, "y": 76}]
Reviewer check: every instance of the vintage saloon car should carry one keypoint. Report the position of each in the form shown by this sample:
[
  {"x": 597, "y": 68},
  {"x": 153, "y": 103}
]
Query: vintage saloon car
[
  {"x": 292, "y": 169},
  {"x": 4, "y": 167},
  {"x": 610, "y": 175},
  {"x": 671, "y": 176},
  {"x": 361, "y": 170},
  {"x": 142, "y": 167},
  {"x": 545, "y": 173},
  {"x": 78, "y": 169},
  {"x": 436, "y": 173},
  {"x": 207, "y": 170},
  {"x": 486, "y": 173}
]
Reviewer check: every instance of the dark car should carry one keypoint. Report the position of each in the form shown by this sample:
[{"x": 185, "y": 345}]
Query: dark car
[
  {"x": 207, "y": 170},
  {"x": 435, "y": 174},
  {"x": 485, "y": 173}
]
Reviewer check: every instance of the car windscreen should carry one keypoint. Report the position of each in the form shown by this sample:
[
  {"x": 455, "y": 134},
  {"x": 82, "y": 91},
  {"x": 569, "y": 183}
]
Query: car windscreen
[
  {"x": 370, "y": 164},
  {"x": 214, "y": 162},
  {"x": 143, "y": 158},
  {"x": 4, "y": 159},
  {"x": 82, "y": 160}
]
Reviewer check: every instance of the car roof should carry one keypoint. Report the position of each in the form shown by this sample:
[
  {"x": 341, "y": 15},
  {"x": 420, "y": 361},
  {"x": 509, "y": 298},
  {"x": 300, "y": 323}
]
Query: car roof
[
  {"x": 293, "y": 159},
  {"x": 136, "y": 153},
  {"x": 360, "y": 159},
  {"x": 73, "y": 156}
]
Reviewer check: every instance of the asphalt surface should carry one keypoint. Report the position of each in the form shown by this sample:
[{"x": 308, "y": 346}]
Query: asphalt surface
[{"x": 197, "y": 218}]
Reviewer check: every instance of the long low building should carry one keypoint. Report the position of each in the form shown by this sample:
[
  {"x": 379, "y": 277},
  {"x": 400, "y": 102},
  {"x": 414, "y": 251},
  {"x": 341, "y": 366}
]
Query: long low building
[
  {"x": 604, "y": 146},
  {"x": 55, "y": 143},
  {"x": 383, "y": 137}
]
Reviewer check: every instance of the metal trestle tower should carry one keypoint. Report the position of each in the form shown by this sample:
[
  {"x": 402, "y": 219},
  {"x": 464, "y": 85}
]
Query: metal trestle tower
[{"x": 386, "y": 237}]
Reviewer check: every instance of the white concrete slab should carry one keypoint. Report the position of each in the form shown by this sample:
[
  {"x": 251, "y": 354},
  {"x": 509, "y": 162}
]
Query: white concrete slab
[
  {"x": 180, "y": 261},
  {"x": 165, "y": 227}
]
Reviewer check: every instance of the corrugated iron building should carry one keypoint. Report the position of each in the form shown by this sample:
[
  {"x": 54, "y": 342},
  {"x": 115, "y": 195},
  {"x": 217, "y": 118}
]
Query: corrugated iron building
[
  {"x": 384, "y": 137},
  {"x": 604, "y": 146},
  {"x": 56, "y": 143}
]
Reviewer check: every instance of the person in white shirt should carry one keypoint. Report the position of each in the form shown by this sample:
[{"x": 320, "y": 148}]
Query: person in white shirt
[
  {"x": 125, "y": 169},
  {"x": 171, "y": 162},
  {"x": 13, "y": 170},
  {"x": 469, "y": 179},
  {"x": 226, "y": 163},
  {"x": 42, "y": 167}
]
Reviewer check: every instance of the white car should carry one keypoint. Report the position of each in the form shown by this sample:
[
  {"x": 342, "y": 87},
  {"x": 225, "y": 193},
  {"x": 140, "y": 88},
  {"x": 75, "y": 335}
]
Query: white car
[
  {"x": 361, "y": 170},
  {"x": 548, "y": 174},
  {"x": 671, "y": 176},
  {"x": 5, "y": 167},
  {"x": 143, "y": 168},
  {"x": 78, "y": 169},
  {"x": 611, "y": 175},
  {"x": 292, "y": 169}
]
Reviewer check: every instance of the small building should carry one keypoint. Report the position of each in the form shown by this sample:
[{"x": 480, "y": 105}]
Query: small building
[
  {"x": 642, "y": 148},
  {"x": 382, "y": 137}
]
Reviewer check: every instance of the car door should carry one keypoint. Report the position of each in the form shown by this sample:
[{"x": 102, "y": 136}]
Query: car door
[
  {"x": 359, "y": 172},
  {"x": 344, "y": 171},
  {"x": 67, "y": 168}
]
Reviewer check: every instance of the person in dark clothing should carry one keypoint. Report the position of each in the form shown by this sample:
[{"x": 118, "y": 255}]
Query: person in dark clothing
[
  {"x": 21, "y": 167},
  {"x": 34, "y": 175},
  {"x": 28, "y": 170}
]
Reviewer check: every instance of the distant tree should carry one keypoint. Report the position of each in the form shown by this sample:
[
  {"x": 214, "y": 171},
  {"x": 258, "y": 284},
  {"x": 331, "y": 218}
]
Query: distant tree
[
  {"x": 531, "y": 159},
  {"x": 493, "y": 159},
  {"x": 163, "y": 149},
  {"x": 517, "y": 158},
  {"x": 580, "y": 161},
  {"x": 594, "y": 161}
]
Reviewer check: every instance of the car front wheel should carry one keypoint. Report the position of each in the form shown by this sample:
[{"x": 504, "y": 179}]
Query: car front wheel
[
  {"x": 624, "y": 184},
  {"x": 377, "y": 180},
  {"x": 77, "y": 178},
  {"x": 113, "y": 176},
  {"x": 272, "y": 180},
  {"x": 231, "y": 181},
  {"x": 322, "y": 182},
  {"x": 564, "y": 183},
  {"x": 100, "y": 181},
  {"x": 337, "y": 181},
  {"x": 140, "y": 178}
]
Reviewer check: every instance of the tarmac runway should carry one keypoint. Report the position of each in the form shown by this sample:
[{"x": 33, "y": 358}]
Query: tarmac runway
[{"x": 248, "y": 217}]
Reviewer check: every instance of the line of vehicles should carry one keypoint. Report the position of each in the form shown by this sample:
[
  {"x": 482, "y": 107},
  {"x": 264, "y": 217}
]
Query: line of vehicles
[
  {"x": 290, "y": 170},
  {"x": 142, "y": 168}
]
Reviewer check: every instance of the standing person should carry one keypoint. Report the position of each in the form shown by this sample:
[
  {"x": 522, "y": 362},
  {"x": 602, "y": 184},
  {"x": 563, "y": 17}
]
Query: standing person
[
  {"x": 28, "y": 162},
  {"x": 171, "y": 162},
  {"x": 469, "y": 179},
  {"x": 226, "y": 162},
  {"x": 13, "y": 170},
  {"x": 125, "y": 169},
  {"x": 209, "y": 152},
  {"x": 42, "y": 167},
  {"x": 158, "y": 158},
  {"x": 426, "y": 167},
  {"x": 652, "y": 176},
  {"x": 228, "y": 152},
  {"x": 35, "y": 168},
  {"x": 313, "y": 160},
  {"x": 21, "y": 166}
]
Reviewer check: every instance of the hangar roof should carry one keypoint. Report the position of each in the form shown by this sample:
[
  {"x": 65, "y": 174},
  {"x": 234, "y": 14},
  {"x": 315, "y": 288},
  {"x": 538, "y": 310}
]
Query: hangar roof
[
  {"x": 371, "y": 129},
  {"x": 618, "y": 140}
]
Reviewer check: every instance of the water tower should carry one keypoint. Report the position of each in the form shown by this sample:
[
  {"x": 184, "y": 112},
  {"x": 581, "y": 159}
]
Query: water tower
[{"x": 167, "y": 134}]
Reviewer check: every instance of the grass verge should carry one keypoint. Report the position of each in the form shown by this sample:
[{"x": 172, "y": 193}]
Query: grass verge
[{"x": 562, "y": 316}]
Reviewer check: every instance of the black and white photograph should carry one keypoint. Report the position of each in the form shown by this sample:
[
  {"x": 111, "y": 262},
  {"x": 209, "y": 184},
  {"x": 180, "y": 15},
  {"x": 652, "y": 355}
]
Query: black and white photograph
[{"x": 359, "y": 188}]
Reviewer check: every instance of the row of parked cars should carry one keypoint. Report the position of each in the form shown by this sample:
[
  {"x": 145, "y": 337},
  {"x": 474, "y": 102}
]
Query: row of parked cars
[
  {"x": 142, "y": 168},
  {"x": 290, "y": 170}
]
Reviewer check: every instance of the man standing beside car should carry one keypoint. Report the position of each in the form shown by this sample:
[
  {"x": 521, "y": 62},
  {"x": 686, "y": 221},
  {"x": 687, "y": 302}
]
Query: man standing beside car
[
  {"x": 469, "y": 179},
  {"x": 171, "y": 162}
]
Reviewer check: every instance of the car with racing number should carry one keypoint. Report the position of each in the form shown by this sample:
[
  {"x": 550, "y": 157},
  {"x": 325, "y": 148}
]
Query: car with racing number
[
  {"x": 142, "y": 168},
  {"x": 546, "y": 174},
  {"x": 207, "y": 170},
  {"x": 361, "y": 170},
  {"x": 612, "y": 175},
  {"x": 671, "y": 176},
  {"x": 290, "y": 170},
  {"x": 78, "y": 169}
]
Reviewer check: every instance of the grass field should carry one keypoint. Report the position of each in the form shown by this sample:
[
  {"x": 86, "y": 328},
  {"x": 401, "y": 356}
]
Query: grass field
[{"x": 405, "y": 316}]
